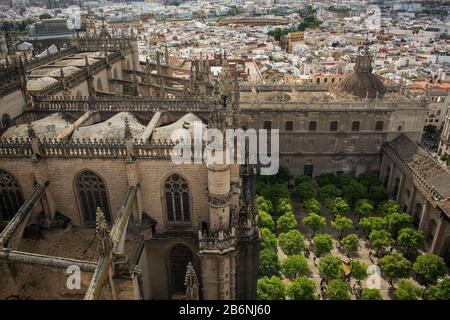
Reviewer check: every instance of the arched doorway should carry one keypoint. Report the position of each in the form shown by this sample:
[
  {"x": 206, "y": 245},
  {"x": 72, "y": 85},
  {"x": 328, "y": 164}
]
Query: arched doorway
[
  {"x": 430, "y": 231},
  {"x": 395, "y": 188},
  {"x": 386, "y": 176},
  {"x": 417, "y": 215},
  {"x": 179, "y": 258},
  {"x": 11, "y": 198},
  {"x": 99, "y": 85},
  {"x": 92, "y": 194},
  {"x": 6, "y": 121}
]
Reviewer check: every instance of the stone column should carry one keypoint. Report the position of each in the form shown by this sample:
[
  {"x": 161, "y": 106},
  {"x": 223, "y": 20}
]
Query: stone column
[
  {"x": 412, "y": 200},
  {"x": 438, "y": 236},
  {"x": 423, "y": 215},
  {"x": 400, "y": 187}
]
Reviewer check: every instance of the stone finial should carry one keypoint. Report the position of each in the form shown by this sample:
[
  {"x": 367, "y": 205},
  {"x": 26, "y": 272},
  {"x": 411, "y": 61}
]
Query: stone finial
[
  {"x": 31, "y": 132},
  {"x": 191, "y": 283},
  {"x": 86, "y": 61},
  {"x": 128, "y": 134},
  {"x": 104, "y": 242}
]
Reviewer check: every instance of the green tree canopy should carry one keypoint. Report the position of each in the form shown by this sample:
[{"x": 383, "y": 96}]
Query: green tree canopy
[
  {"x": 294, "y": 266},
  {"x": 363, "y": 208},
  {"x": 380, "y": 239},
  {"x": 373, "y": 223},
  {"x": 301, "y": 178},
  {"x": 395, "y": 266},
  {"x": 264, "y": 204},
  {"x": 351, "y": 243},
  {"x": 410, "y": 239},
  {"x": 338, "y": 206},
  {"x": 354, "y": 191},
  {"x": 406, "y": 290},
  {"x": 378, "y": 194},
  {"x": 268, "y": 263},
  {"x": 312, "y": 205},
  {"x": 325, "y": 178},
  {"x": 358, "y": 270},
  {"x": 371, "y": 294},
  {"x": 302, "y": 289},
  {"x": 430, "y": 266},
  {"x": 329, "y": 191},
  {"x": 306, "y": 191},
  {"x": 323, "y": 243},
  {"x": 389, "y": 206},
  {"x": 369, "y": 179},
  {"x": 338, "y": 290},
  {"x": 331, "y": 267},
  {"x": 397, "y": 221},
  {"x": 284, "y": 206},
  {"x": 265, "y": 220},
  {"x": 274, "y": 192},
  {"x": 341, "y": 224},
  {"x": 314, "y": 222},
  {"x": 441, "y": 291},
  {"x": 292, "y": 242},
  {"x": 271, "y": 288},
  {"x": 286, "y": 222},
  {"x": 268, "y": 239}
]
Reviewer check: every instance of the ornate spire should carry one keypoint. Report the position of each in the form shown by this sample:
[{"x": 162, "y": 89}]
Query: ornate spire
[
  {"x": 104, "y": 242},
  {"x": 128, "y": 134},
  {"x": 191, "y": 283}
]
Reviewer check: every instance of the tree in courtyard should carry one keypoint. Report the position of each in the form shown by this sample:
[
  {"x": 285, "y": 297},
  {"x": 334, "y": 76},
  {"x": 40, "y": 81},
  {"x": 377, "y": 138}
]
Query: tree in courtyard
[
  {"x": 338, "y": 206},
  {"x": 350, "y": 243},
  {"x": 268, "y": 239},
  {"x": 330, "y": 191},
  {"x": 325, "y": 178},
  {"x": 338, "y": 290},
  {"x": 284, "y": 206},
  {"x": 292, "y": 242},
  {"x": 363, "y": 208},
  {"x": 331, "y": 267},
  {"x": 268, "y": 263},
  {"x": 410, "y": 240},
  {"x": 354, "y": 191},
  {"x": 323, "y": 243},
  {"x": 389, "y": 206},
  {"x": 294, "y": 266},
  {"x": 264, "y": 204},
  {"x": 286, "y": 222},
  {"x": 373, "y": 223},
  {"x": 397, "y": 221},
  {"x": 271, "y": 288},
  {"x": 301, "y": 178},
  {"x": 378, "y": 194},
  {"x": 302, "y": 289},
  {"x": 312, "y": 205},
  {"x": 265, "y": 220},
  {"x": 441, "y": 291},
  {"x": 358, "y": 271},
  {"x": 406, "y": 290},
  {"x": 430, "y": 266},
  {"x": 305, "y": 192},
  {"x": 341, "y": 224},
  {"x": 379, "y": 239},
  {"x": 371, "y": 294},
  {"x": 275, "y": 191},
  {"x": 369, "y": 179},
  {"x": 395, "y": 266},
  {"x": 314, "y": 222}
]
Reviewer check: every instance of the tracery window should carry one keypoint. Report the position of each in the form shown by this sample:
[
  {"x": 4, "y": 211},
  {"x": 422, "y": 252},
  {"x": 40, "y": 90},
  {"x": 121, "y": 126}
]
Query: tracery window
[
  {"x": 11, "y": 198},
  {"x": 92, "y": 194},
  {"x": 176, "y": 191}
]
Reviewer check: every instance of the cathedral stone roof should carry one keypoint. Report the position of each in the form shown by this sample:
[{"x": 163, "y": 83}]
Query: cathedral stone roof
[
  {"x": 423, "y": 164},
  {"x": 185, "y": 122},
  {"x": 361, "y": 83}
]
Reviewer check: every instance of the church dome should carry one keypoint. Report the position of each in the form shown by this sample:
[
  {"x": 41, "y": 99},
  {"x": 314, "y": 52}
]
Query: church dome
[{"x": 361, "y": 83}]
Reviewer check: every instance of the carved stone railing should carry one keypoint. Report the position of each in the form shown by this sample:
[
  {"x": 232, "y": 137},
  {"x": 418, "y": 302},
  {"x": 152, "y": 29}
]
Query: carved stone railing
[
  {"x": 217, "y": 242},
  {"x": 15, "y": 148},
  {"x": 125, "y": 103}
]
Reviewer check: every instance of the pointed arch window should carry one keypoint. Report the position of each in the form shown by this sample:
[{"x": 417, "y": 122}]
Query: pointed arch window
[
  {"x": 92, "y": 194},
  {"x": 176, "y": 191},
  {"x": 11, "y": 198}
]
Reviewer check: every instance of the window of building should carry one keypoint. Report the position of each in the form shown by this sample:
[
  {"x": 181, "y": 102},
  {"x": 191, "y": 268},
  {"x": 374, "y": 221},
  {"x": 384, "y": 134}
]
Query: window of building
[
  {"x": 355, "y": 125},
  {"x": 312, "y": 126},
  {"x": 179, "y": 258},
  {"x": 400, "y": 128},
  {"x": 268, "y": 125},
  {"x": 11, "y": 198},
  {"x": 333, "y": 125},
  {"x": 92, "y": 195},
  {"x": 176, "y": 191},
  {"x": 289, "y": 126},
  {"x": 308, "y": 170},
  {"x": 379, "y": 126}
]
